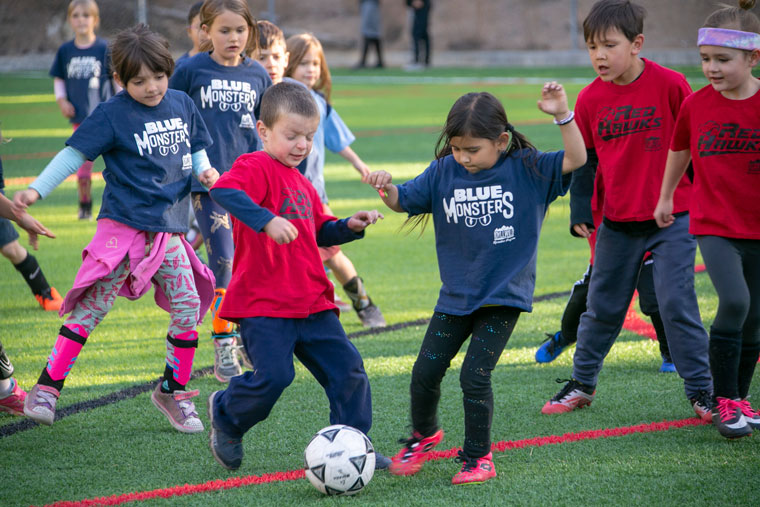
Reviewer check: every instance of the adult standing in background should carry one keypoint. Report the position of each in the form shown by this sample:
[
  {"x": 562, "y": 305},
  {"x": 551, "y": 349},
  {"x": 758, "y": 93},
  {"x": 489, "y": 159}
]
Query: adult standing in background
[
  {"x": 371, "y": 30},
  {"x": 420, "y": 16}
]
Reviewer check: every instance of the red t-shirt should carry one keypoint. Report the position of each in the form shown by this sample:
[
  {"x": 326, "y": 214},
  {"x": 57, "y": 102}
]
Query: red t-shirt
[
  {"x": 630, "y": 128},
  {"x": 271, "y": 280},
  {"x": 724, "y": 138}
]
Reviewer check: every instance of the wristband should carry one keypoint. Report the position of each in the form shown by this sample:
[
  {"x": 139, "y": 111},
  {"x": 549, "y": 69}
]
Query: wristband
[{"x": 570, "y": 116}]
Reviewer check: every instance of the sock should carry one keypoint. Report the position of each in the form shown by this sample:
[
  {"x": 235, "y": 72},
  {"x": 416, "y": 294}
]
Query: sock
[
  {"x": 747, "y": 364},
  {"x": 71, "y": 339},
  {"x": 725, "y": 352},
  {"x": 33, "y": 276},
  {"x": 355, "y": 290},
  {"x": 6, "y": 368},
  {"x": 180, "y": 351}
]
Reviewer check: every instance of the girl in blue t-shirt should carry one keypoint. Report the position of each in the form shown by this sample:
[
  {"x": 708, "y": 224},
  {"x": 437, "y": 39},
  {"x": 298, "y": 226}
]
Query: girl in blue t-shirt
[
  {"x": 226, "y": 87},
  {"x": 81, "y": 75},
  {"x": 307, "y": 65},
  {"x": 152, "y": 141},
  {"x": 488, "y": 192}
]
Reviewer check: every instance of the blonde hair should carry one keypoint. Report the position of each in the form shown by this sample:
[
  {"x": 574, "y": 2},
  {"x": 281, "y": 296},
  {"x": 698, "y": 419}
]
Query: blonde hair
[
  {"x": 298, "y": 46},
  {"x": 90, "y": 5},
  {"x": 213, "y": 8},
  {"x": 735, "y": 18}
]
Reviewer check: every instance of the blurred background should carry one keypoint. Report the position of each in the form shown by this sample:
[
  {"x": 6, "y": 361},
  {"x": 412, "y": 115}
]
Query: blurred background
[{"x": 464, "y": 33}]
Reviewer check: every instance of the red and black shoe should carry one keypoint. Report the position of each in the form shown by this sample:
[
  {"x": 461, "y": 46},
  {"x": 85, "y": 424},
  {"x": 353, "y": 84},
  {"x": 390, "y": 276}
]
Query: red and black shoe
[
  {"x": 474, "y": 470},
  {"x": 410, "y": 459}
]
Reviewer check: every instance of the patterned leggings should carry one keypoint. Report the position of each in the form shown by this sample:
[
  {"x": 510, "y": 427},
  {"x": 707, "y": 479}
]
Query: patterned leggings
[
  {"x": 216, "y": 228},
  {"x": 490, "y": 327}
]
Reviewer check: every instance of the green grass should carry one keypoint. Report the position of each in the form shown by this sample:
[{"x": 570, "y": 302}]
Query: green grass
[{"x": 128, "y": 446}]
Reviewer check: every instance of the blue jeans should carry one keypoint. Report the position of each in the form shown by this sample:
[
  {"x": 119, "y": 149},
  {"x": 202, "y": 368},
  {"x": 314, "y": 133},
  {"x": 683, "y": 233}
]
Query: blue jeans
[
  {"x": 613, "y": 280},
  {"x": 321, "y": 345}
]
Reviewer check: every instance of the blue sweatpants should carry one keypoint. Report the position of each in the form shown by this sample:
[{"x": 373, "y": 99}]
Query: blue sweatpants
[
  {"x": 613, "y": 280},
  {"x": 321, "y": 344}
]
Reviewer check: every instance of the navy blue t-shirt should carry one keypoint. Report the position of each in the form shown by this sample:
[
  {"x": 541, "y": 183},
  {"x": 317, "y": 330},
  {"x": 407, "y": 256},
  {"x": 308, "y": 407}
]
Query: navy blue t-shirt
[
  {"x": 87, "y": 73},
  {"x": 486, "y": 226},
  {"x": 147, "y": 152},
  {"x": 229, "y": 99}
]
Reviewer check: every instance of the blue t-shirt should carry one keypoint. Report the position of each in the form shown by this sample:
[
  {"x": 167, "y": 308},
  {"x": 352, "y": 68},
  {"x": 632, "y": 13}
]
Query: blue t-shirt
[
  {"x": 87, "y": 73},
  {"x": 229, "y": 99},
  {"x": 486, "y": 226},
  {"x": 148, "y": 157}
]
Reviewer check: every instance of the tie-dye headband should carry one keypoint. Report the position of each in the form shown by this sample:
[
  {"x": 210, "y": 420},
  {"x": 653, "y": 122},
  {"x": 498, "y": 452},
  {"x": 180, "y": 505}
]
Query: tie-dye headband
[{"x": 728, "y": 38}]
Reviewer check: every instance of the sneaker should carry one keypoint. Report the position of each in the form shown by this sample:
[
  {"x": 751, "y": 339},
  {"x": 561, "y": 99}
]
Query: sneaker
[
  {"x": 243, "y": 358},
  {"x": 410, "y": 459},
  {"x": 728, "y": 418},
  {"x": 14, "y": 402},
  {"x": 550, "y": 349},
  {"x": 49, "y": 301},
  {"x": 221, "y": 327},
  {"x": 178, "y": 408},
  {"x": 750, "y": 414},
  {"x": 702, "y": 404},
  {"x": 226, "y": 364},
  {"x": 371, "y": 316},
  {"x": 85, "y": 211},
  {"x": 573, "y": 395},
  {"x": 474, "y": 470},
  {"x": 667, "y": 367},
  {"x": 39, "y": 404},
  {"x": 227, "y": 451},
  {"x": 382, "y": 462}
]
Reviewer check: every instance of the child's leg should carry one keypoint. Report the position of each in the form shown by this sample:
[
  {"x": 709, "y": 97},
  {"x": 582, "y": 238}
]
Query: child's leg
[
  {"x": 250, "y": 397},
  {"x": 751, "y": 330},
  {"x": 324, "y": 349},
  {"x": 574, "y": 308},
  {"x": 673, "y": 250},
  {"x": 492, "y": 327},
  {"x": 616, "y": 268},
  {"x": 650, "y": 308},
  {"x": 723, "y": 259},
  {"x": 84, "y": 188}
]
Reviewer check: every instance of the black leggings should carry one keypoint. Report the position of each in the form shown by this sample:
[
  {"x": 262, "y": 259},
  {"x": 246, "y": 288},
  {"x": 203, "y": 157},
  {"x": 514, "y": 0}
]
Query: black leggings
[
  {"x": 734, "y": 269},
  {"x": 490, "y": 327}
]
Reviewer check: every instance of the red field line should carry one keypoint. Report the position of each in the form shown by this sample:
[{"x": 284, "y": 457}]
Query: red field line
[{"x": 292, "y": 475}]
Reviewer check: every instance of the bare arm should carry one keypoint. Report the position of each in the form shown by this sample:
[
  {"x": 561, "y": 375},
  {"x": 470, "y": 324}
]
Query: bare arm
[
  {"x": 554, "y": 102},
  {"x": 675, "y": 166},
  {"x": 381, "y": 181},
  {"x": 357, "y": 162}
]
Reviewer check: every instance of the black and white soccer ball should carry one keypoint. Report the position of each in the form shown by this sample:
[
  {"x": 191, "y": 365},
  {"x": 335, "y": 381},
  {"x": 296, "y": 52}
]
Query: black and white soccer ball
[{"x": 339, "y": 460}]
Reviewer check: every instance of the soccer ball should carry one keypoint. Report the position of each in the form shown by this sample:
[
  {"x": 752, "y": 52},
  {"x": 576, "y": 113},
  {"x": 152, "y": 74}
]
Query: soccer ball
[{"x": 339, "y": 460}]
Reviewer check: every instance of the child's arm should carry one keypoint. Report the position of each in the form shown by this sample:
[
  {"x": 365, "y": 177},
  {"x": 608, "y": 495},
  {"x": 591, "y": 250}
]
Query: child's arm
[
  {"x": 676, "y": 165},
  {"x": 357, "y": 162},
  {"x": 581, "y": 193},
  {"x": 64, "y": 164},
  {"x": 381, "y": 181},
  {"x": 59, "y": 89},
  {"x": 202, "y": 169},
  {"x": 24, "y": 220},
  {"x": 242, "y": 207},
  {"x": 554, "y": 101},
  {"x": 337, "y": 232}
]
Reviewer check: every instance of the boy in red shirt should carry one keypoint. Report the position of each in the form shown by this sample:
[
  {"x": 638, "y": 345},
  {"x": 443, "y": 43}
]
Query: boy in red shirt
[
  {"x": 627, "y": 115},
  {"x": 279, "y": 292}
]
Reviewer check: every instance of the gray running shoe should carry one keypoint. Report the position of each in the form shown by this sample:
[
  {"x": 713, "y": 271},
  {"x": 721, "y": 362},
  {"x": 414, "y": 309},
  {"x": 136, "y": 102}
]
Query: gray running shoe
[
  {"x": 178, "y": 408},
  {"x": 371, "y": 316},
  {"x": 226, "y": 364},
  {"x": 243, "y": 356},
  {"x": 40, "y": 403}
]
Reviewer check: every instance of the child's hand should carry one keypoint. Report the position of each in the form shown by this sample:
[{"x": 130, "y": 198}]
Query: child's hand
[
  {"x": 362, "y": 168},
  {"x": 281, "y": 230},
  {"x": 583, "y": 230},
  {"x": 208, "y": 177},
  {"x": 663, "y": 213},
  {"x": 32, "y": 226},
  {"x": 363, "y": 219},
  {"x": 554, "y": 100},
  {"x": 24, "y": 198},
  {"x": 67, "y": 108},
  {"x": 380, "y": 180}
]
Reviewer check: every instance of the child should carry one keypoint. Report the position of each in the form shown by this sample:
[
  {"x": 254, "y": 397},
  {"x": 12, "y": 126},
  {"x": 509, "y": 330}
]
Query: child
[
  {"x": 151, "y": 139},
  {"x": 371, "y": 30},
  {"x": 81, "y": 75},
  {"x": 11, "y": 395},
  {"x": 226, "y": 87},
  {"x": 585, "y": 217},
  {"x": 488, "y": 192},
  {"x": 307, "y": 65},
  {"x": 420, "y": 37},
  {"x": 717, "y": 128},
  {"x": 627, "y": 115},
  {"x": 271, "y": 52},
  {"x": 194, "y": 32},
  {"x": 24, "y": 262},
  {"x": 279, "y": 292}
]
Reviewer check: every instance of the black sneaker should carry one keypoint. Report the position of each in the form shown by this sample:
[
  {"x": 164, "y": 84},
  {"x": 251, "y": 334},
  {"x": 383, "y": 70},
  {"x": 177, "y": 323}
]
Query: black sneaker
[
  {"x": 728, "y": 418},
  {"x": 702, "y": 405},
  {"x": 227, "y": 451}
]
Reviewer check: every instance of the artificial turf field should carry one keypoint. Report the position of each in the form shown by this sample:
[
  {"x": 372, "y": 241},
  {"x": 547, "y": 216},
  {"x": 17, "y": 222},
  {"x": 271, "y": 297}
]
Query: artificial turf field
[{"x": 638, "y": 443}]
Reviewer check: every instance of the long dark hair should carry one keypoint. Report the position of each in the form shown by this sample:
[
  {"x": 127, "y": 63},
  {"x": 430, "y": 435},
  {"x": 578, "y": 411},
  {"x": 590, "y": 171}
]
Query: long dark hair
[{"x": 480, "y": 115}]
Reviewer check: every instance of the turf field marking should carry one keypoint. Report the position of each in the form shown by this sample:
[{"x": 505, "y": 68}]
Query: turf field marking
[
  {"x": 441, "y": 80},
  {"x": 293, "y": 475},
  {"x": 27, "y": 99},
  {"x": 26, "y": 180}
]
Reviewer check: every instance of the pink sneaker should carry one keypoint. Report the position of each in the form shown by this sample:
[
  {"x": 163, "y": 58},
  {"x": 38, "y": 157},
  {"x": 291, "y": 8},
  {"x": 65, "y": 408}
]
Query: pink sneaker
[
  {"x": 14, "y": 402},
  {"x": 474, "y": 470},
  {"x": 40, "y": 403}
]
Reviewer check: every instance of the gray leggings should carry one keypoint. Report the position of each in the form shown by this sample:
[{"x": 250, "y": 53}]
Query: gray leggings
[{"x": 734, "y": 269}]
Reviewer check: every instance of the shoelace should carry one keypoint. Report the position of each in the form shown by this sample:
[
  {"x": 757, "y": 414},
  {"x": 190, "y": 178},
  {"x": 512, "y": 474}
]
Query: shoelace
[
  {"x": 746, "y": 409},
  {"x": 469, "y": 464},
  {"x": 552, "y": 344},
  {"x": 45, "y": 398},
  {"x": 727, "y": 408},
  {"x": 569, "y": 386},
  {"x": 226, "y": 355}
]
